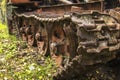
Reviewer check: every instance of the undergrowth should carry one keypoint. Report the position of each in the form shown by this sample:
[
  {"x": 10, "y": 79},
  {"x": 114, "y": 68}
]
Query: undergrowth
[{"x": 19, "y": 62}]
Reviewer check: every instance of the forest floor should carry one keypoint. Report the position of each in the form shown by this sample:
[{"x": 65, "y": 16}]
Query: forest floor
[{"x": 20, "y": 62}]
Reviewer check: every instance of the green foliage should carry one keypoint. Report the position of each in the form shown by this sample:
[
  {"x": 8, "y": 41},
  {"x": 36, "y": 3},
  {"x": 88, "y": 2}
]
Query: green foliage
[
  {"x": 35, "y": 72},
  {"x": 3, "y": 11},
  {"x": 18, "y": 63}
]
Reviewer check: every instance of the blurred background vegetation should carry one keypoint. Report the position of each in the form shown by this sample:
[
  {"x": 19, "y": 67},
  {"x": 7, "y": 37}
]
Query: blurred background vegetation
[{"x": 3, "y": 11}]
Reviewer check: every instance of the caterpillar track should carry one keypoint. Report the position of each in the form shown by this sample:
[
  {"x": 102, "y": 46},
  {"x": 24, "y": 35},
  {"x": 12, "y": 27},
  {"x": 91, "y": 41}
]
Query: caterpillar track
[
  {"x": 77, "y": 36},
  {"x": 93, "y": 34}
]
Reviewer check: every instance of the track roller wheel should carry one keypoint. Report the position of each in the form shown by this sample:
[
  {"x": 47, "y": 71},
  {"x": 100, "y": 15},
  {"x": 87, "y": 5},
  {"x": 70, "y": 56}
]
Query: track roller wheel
[
  {"x": 30, "y": 36},
  {"x": 59, "y": 46},
  {"x": 31, "y": 40},
  {"x": 42, "y": 40},
  {"x": 23, "y": 25},
  {"x": 23, "y": 34}
]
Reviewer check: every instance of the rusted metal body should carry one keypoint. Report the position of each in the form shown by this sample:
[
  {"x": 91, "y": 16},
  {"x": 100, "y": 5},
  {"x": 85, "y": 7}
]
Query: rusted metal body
[
  {"x": 116, "y": 13},
  {"x": 19, "y": 1},
  {"x": 75, "y": 35}
]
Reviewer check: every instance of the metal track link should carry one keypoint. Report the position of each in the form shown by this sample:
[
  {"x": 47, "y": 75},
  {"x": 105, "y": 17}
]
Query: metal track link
[
  {"x": 70, "y": 70},
  {"x": 45, "y": 16}
]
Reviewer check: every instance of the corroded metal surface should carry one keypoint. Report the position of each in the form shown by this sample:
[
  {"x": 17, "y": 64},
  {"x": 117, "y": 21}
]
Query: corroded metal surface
[
  {"x": 75, "y": 35},
  {"x": 98, "y": 35},
  {"x": 116, "y": 13}
]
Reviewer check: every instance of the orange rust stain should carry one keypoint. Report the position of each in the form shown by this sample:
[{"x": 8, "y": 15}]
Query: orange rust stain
[{"x": 19, "y": 1}]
